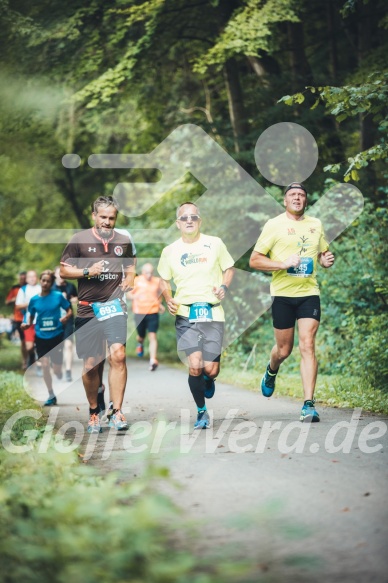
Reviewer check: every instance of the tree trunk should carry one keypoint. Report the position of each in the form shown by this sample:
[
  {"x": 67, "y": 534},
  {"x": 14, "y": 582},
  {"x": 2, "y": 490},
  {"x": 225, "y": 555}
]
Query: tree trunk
[
  {"x": 300, "y": 67},
  {"x": 67, "y": 188},
  {"x": 363, "y": 47},
  {"x": 237, "y": 111},
  {"x": 331, "y": 28}
]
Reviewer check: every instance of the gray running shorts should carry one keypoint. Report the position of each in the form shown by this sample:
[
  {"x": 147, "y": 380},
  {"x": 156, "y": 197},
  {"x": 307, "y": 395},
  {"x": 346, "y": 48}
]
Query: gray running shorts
[{"x": 205, "y": 337}]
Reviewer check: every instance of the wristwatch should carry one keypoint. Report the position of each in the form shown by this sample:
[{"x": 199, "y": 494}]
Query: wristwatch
[
  {"x": 86, "y": 272},
  {"x": 225, "y": 287}
]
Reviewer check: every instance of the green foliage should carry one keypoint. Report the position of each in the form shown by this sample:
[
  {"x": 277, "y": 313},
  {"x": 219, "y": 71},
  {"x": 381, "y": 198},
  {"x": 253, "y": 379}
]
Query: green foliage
[
  {"x": 60, "y": 522},
  {"x": 10, "y": 356},
  {"x": 368, "y": 98},
  {"x": 14, "y": 398},
  {"x": 249, "y": 31}
]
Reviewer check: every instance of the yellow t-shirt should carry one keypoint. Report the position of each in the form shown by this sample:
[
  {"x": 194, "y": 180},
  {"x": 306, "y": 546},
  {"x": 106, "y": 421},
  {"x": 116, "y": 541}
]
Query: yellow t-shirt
[
  {"x": 196, "y": 268},
  {"x": 282, "y": 237}
]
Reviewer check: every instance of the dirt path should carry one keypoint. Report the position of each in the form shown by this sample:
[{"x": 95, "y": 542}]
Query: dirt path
[{"x": 258, "y": 480}]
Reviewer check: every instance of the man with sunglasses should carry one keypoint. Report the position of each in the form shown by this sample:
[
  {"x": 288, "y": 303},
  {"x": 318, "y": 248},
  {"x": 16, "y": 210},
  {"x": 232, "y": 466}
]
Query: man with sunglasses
[
  {"x": 202, "y": 271},
  {"x": 290, "y": 246}
]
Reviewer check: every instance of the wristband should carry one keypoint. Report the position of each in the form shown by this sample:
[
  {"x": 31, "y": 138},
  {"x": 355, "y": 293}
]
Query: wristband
[{"x": 225, "y": 287}]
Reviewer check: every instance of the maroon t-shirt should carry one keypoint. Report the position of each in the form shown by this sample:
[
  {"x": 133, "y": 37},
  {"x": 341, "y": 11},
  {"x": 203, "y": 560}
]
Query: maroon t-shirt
[{"x": 86, "y": 248}]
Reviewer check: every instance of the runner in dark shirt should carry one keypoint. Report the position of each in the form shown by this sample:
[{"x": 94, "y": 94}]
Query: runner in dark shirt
[
  {"x": 103, "y": 261},
  {"x": 69, "y": 291}
]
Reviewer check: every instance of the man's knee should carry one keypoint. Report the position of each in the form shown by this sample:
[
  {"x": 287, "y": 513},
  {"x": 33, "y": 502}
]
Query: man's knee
[
  {"x": 284, "y": 351},
  {"x": 307, "y": 346},
  {"x": 212, "y": 369},
  {"x": 91, "y": 366},
  {"x": 117, "y": 358}
]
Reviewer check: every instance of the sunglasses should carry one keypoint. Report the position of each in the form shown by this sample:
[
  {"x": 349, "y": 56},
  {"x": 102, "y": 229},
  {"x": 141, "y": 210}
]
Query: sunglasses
[{"x": 186, "y": 218}]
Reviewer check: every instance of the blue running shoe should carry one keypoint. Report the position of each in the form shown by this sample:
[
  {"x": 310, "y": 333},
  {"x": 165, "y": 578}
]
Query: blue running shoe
[
  {"x": 210, "y": 387},
  {"x": 140, "y": 350},
  {"x": 309, "y": 414},
  {"x": 268, "y": 383},
  {"x": 50, "y": 402},
  {"x": 118, "y": 421},
  {"x": 203, "y": 420}
]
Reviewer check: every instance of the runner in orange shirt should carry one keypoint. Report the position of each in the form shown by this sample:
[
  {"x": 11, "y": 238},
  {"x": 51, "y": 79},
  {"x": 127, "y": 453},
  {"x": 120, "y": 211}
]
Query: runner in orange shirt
[{"x": 146, "y": 306}]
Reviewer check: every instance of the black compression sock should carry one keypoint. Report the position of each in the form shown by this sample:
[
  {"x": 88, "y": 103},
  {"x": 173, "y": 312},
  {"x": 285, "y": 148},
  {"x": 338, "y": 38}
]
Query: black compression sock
[
  {"x": 197, "y": 390},
  {"x": 272, "y": 371},
  {"x": 94, "y": 411}
]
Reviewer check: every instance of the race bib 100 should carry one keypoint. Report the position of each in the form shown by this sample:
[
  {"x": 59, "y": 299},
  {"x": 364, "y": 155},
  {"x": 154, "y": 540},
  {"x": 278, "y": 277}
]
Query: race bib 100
[
  {"x": 304, "y": 269},
  {"x": 201, "y": 312},
  {"x": 106, "y": 310}
]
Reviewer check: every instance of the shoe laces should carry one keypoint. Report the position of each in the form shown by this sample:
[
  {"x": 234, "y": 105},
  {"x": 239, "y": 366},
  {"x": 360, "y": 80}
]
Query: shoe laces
[
  {"x": 270, "y": 380},
  {"x": 119, "y": 416},
  {"x": 94, "y": 419}
]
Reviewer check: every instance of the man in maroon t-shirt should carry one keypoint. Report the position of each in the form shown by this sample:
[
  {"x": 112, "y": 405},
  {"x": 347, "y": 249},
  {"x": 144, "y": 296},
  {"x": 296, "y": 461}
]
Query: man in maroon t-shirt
[{"x": 103, "y": 260}]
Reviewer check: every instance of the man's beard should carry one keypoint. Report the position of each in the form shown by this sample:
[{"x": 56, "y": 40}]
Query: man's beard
[{"x": 104, "y": 234}]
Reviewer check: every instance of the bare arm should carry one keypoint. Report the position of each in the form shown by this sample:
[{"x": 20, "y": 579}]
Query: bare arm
[
  {"x": 71, "y": 272},
  {"x": 227, "y": 277},
  {"x": 263, "y": 263},
  {"x": 128, "y": 282},
  {"x": 172, "y": 305},
  {"x": 68, "y": 315}
]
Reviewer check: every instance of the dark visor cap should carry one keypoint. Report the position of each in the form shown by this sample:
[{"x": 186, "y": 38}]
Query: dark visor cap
[{"x": 295, "y": 185}]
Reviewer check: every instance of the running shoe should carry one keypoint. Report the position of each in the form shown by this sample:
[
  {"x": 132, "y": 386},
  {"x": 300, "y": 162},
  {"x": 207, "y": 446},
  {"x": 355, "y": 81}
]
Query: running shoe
[
  {"x": 101, "y": 400},
  {"x": 118, "y": 421},
  {"x": 140, "y": 349},
  {"x": 153, "y": 365},
  {"x": 94, "y": 423},
  {"x": 210, "y": 388},
  {"x": 68, "y": 376},
  {"x": 309, "y": 414},
  {"x": 203, "y": 420},
  {"x": 109, "y": 412},
  {"x": 50, "y": 402},
  {"x": 268, "y": 383}
]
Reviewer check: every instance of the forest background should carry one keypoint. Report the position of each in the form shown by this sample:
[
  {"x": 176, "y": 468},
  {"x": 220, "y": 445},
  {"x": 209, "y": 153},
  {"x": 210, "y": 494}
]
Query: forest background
[{"x": 119, "y": 77}]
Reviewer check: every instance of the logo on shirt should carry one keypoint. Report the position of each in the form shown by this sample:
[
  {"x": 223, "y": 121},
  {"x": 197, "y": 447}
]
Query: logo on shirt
[
  {"x": 189, "y": 258},
  {"x": 303, "y": 244},
  {"x": 312, "y": 230},
  {"x": 118, "y": 250},
  {"x": 92, "y": 249}
]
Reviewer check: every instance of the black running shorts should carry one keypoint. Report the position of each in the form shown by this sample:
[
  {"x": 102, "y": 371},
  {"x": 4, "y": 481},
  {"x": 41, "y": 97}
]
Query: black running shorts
[
  {"x": 51, "y": 347},
  {"x": 69, "y": 329},
  {"x": 146, "y": 322},
  {"x": 285, "y": 310}
]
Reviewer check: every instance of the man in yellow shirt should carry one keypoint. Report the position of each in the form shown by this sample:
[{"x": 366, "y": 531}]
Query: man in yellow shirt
[
  {"x": 202, "y": 270},
  {"x": 290, "y": 246}
]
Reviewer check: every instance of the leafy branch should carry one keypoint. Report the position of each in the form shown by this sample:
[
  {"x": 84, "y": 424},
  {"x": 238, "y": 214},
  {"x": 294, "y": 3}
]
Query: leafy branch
[{"x": 345, "y": 102}]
